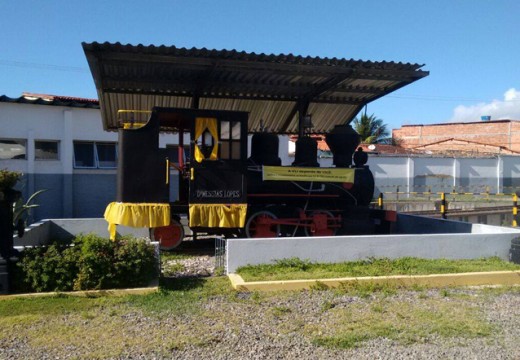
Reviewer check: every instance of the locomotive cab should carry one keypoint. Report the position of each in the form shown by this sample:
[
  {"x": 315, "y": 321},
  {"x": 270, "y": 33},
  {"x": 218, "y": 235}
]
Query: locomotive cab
[
  {"x": 211, "y": 179},
  {"x": 217, "y": 178}
]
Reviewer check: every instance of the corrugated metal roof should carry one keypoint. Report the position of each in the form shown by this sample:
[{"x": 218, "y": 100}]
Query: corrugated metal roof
[
  {"x": 271, "y": 87},
  {"x": 55, "y": 100}
]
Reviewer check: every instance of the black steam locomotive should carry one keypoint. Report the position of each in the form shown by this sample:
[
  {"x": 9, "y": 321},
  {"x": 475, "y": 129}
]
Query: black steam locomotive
[{"x": 223, "y": 191}]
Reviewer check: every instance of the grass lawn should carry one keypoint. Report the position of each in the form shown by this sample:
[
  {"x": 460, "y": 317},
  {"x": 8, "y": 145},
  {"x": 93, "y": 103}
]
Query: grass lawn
[
  {"x": 106, "y": 327},
  {"x": 297, "y": 269},
  {"x": 203, "y": 315}
]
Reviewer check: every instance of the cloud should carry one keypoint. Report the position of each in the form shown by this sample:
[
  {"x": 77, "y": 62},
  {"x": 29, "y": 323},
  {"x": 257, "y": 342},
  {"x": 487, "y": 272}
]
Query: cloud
[{"x": 508, "y": 108}]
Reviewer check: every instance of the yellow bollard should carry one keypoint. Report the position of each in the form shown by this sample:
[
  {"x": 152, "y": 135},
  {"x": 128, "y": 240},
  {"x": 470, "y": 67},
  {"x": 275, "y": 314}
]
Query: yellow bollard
[
  {"x": 443, "y": 205},
  {"x": 515, "y": 210}
]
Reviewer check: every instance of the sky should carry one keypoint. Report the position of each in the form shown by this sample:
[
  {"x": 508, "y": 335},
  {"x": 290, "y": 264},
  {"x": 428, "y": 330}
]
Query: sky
[{"x": 470, "y": 47}]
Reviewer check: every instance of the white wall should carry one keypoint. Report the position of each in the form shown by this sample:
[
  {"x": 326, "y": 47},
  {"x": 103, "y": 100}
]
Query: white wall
[
  {"x": 447, "y": 243},
  {"x": 388, "y": 169},
  {"x": 57, "y": 123},
  {"x": 64, "y": 124},
  {"x": 434, "y": 166}
]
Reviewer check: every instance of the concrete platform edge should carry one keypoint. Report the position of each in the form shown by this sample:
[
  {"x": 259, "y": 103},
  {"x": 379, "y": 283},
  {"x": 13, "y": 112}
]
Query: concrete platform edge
[{"x": 433, "y": 280}]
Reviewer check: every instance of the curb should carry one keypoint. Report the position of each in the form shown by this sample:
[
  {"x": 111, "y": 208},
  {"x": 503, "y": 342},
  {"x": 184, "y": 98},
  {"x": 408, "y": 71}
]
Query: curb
[
  {"x": 433, "y": 281},
  {"x": 86, "y": 293}
]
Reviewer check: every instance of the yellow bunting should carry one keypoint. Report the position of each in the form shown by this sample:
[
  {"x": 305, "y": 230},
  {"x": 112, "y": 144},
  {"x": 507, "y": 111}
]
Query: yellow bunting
[
  {"x": 218, "y": 215},
  {"x": 148, "y": 215}
]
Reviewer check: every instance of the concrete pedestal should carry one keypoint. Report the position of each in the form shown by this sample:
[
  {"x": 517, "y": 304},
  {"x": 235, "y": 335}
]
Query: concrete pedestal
[{"x": 7, "y": 198}]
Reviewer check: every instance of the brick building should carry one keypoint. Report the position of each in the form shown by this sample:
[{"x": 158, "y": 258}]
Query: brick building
[{"x": 488, "y": 137}]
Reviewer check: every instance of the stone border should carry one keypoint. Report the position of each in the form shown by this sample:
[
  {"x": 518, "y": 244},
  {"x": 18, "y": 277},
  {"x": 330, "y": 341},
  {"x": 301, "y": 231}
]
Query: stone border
[
  {"x": 85, "y": 293},
  {"x": 432, "y": 281}
]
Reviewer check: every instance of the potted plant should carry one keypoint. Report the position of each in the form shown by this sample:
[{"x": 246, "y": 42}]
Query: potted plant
[{"x": 8, "y": 180}]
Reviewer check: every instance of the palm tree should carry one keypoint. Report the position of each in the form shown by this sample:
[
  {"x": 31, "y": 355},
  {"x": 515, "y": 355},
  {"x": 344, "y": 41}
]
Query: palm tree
[{"x": 371, "y": 129}]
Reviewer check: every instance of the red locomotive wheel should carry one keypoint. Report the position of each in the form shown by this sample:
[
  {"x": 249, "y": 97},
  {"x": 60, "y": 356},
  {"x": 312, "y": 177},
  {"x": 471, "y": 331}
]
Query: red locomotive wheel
[
  {"x": 261, "y": 224},
  {"x": 323, "y": 224},
  {"x": 170, "y": 236}
]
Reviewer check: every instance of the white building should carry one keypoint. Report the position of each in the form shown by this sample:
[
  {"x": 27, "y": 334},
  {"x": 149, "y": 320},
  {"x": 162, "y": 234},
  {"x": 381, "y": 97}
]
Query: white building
[{"x": 40, "y": 136}]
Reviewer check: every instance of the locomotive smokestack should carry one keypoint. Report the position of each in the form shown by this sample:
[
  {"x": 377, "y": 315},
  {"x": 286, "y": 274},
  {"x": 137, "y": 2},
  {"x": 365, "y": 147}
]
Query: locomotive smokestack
[
  {"x": 306, "y": 153},
  {"x": 342, "y": 141}
]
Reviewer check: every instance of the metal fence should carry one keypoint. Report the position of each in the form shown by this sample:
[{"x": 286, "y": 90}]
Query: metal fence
[
  {"x": 430, "y": 192},
  {"x": 220, "y": 255},
  {"x": 440, "y": 204}
]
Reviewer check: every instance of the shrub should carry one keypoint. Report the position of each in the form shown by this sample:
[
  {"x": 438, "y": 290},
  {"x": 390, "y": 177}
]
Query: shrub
[
  {"x": 108, "y": 264},
  {"x": 47, "y": 268},
  {"x": 136, "y": 260},
  {"x": 96, "y": 270},
  {"x": 91, "y": 262}
]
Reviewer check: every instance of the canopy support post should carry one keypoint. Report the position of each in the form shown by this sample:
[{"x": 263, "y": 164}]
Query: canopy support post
[
  {"x": 303, "y": 106},
  {"x": 195, "y": 100}
]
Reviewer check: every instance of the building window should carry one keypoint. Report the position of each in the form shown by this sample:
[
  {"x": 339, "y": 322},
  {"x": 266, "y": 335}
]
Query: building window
[
  {"x": 46, "y": 150},
  {"x": 84, "y": 155},
  {"x": 93, "y": 155},
  {"x": 13, "y": 149},
  {"x": 106, "y": 155}
]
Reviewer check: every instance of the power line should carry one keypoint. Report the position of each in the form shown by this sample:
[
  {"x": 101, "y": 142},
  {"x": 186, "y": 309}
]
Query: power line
[{"x": 29, "y": 65}]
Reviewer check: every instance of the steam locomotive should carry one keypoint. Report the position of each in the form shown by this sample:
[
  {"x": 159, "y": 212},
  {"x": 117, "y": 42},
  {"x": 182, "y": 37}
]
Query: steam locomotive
[{"x": 223, "y": 191}]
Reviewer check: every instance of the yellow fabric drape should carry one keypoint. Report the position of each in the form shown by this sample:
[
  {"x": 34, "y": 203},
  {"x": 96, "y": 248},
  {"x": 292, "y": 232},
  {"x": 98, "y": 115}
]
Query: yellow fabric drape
[
  {"x": 136, "y": 215},
  {"x": 218, "y": 215},
  {"x": 202, "y": 124}
]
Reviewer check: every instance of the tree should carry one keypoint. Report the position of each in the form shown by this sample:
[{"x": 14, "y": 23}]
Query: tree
[{"x": 371, "y": 129}]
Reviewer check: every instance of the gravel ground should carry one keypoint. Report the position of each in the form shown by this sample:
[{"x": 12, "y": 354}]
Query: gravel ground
[
  {"x": 259, "y": 335},
  {"x": 278, "y": 327},
  {"x": 196, "y": 266}
]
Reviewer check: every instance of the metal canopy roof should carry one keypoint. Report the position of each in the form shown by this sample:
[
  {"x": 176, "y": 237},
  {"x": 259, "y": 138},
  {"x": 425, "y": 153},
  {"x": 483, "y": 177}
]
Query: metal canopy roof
[{"x": 274, "y": 89}]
